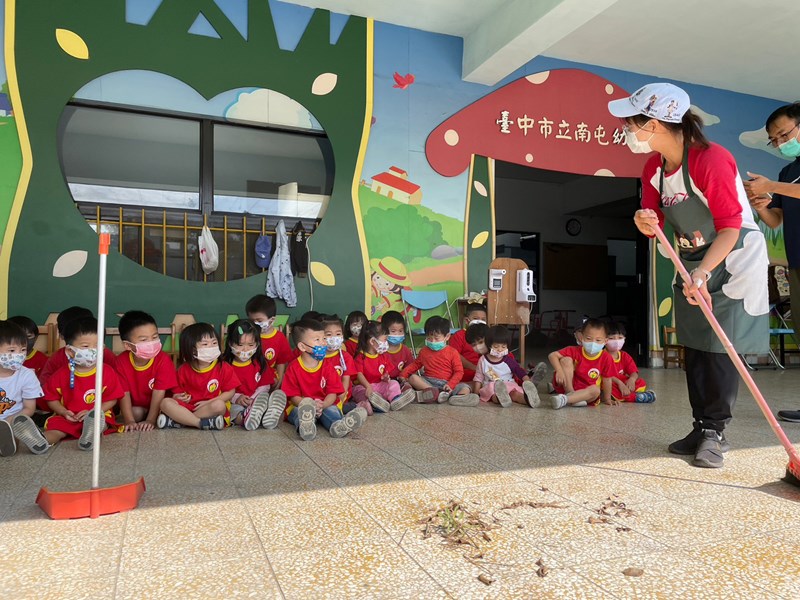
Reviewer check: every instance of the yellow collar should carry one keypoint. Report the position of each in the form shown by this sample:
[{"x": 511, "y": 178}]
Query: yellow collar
[
  {"x": 137, "y": 367},
  {"x": 207, "y": 369}
]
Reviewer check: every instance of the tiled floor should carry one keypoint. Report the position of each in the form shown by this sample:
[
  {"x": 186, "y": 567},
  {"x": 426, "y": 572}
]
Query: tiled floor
[{"x": 262, "y": 514}]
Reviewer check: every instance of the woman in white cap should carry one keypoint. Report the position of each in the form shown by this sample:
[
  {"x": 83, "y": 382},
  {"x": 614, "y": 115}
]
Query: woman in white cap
[{"x": 694, "y": 185}]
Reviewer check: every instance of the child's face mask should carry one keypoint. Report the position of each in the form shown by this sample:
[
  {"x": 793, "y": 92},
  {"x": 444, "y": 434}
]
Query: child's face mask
[
  {"x": 12, "y": 360},
  {"x": 84, "y": 357},
  {"x": 355, "y": 329},
  {"x": 208, "y": 355},
  {"x": 335, "y": 342},
  {"x": 615, "y": 345},
  {"x": 147, "y": 350},
  {"x": 244, "y": 355},
  {"x": 435, "y": 346},
  {"x": 381, "y": 346},
  {"x": 396, "y": 340},
  {"x": 480, "y": 348}
]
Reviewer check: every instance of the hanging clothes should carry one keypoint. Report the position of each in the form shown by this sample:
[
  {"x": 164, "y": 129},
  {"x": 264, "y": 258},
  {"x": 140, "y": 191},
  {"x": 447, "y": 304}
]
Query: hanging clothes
[
  {"x": 280, "y": 281},
  {"x": 299, "y": 250}
]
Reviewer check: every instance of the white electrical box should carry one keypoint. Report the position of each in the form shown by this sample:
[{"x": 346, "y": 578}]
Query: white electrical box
[
  {"x": 496, "y": 279},
  {"x": 525, "y": 291}
]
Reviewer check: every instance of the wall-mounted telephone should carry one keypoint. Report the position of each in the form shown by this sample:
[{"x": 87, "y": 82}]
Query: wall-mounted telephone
[
  {"x": 525, "y": 291},
  {"x": 496, "y": 279}
]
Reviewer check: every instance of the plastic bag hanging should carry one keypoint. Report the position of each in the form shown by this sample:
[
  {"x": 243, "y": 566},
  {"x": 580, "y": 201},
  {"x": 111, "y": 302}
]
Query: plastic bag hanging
[{"x": 209, "y": 251}]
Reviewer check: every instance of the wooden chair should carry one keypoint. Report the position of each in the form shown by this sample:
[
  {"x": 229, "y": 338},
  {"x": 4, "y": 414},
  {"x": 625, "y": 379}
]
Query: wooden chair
[
  {"x": 47, "y": 338},
  {"x": 54, "y": 341},
  {"x": 673, "y": 353}
]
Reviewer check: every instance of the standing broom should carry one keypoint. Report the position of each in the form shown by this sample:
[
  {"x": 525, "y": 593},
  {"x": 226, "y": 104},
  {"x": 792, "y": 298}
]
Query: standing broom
[
  {"x": 97, "y": 501},
  {"x": 793, "y": 468}
]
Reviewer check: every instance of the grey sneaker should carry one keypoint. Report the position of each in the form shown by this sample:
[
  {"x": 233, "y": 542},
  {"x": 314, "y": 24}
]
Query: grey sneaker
[
  {"x": 26, "y": 431},
  {"x": 791, "y": 416},
  {"x": 8, "y": 445},
  {"x": 379, "y": 403},
  {"x": 688, "y": 445},
  {"x": 580, "y": 404},
  {"x": 709, "y": 450},
  {"x": 531, "y": 393},
  {"x": 539, "y": 373},
  {"x": 426, "y": 396},
  {"x": 275, "y": 409},
  {"x": 307, "y": 419},
  {"x": 351, "y": 422},
  {"x": 255, "y": 412},
  {"x": 464, "y": 400},
  {"x": 86, "y": 441},
  {"x": 213, "y": 423},
  {"x": 403, "y": 400},
  {"x": 559, "y": 401},
  {"x": 164, "y": 422},
  {"x": 501, "y": 391},
  {"x": 443, "y": 397}
]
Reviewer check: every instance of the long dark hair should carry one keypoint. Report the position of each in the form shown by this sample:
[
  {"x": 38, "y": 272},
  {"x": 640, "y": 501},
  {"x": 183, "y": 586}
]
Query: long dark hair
[
  {"x": 691, "y": 126},
  {"x": 371, "y": 329},
  {"x": 354, "y": 317},
  {"x": 236, "y": 331},
  {"x": 192, "y": 335}
]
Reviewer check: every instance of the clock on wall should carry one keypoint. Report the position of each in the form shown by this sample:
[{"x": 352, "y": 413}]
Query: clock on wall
[{"x": 573, "y": 227}]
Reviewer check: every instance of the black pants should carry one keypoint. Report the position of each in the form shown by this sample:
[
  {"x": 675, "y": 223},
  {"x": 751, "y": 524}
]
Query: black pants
[{"x": 713, "y": 383}]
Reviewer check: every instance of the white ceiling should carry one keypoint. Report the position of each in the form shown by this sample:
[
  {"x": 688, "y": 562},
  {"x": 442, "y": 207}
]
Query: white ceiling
[{"x": 747, "y": 46}]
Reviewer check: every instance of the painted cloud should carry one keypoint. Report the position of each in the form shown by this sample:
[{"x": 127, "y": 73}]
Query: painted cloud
[
  {"x": 757, "y": 139},
  {"x": 708, "y": 118},
  {"x": 267, "y": 106}
]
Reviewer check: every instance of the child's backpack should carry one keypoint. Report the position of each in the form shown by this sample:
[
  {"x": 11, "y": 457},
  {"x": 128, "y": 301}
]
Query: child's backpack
[
  {"x": 263, "y": 251},
  {"x": 209, "y": 251}
]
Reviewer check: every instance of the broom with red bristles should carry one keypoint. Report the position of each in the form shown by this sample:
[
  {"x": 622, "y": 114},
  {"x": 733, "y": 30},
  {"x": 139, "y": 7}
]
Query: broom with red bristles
[{"x": 793, "y": 468}]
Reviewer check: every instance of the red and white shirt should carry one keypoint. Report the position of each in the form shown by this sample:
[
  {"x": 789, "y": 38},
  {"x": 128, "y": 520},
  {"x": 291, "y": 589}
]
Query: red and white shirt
[
  {"x": 459, "y": 341},
  {"x": 400, "y": 358},
  {"x": 251, "y": 377},
  {"x": 589, "y": 371},
  {"x": 276, "y": 348},
  {"x": 157, "y": 374},
  {"x": 624, "y": 366},
  {"x": 81, "y": 396},
  {"x": 36, "y": 361},
  {"x": 207, "y": 383},
  {"x": 374, "y": 366},
  {"x": 343, "y": 364},
  {"x": 316, "y": 383}
]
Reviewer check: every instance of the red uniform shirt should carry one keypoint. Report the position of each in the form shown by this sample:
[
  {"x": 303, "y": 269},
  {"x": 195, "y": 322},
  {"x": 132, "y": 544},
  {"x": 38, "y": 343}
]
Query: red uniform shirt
[
  {"x": 314, "y": 383},
  {"x": 624, "y": 367},
  {"x": 251, "y": 377},
  {"x": 351, "y": 345},
  {"x": 157, "y": 374},
  {"x": 459, "y": 341},
  {"x": 444, "y": 364},
  {"x": 81, "y": 396},
  {"x": 373, "y": 366},
  {"x": 36, "y": 361},
  {"x": 344, "y": 365},
  {"x": 400, "y": 359},
  {"x": 277, "y": 350},
  {"x": 588, "y": 371},
  {"x": 59, "y": 360},
  {"x": 208, "y": 383}
]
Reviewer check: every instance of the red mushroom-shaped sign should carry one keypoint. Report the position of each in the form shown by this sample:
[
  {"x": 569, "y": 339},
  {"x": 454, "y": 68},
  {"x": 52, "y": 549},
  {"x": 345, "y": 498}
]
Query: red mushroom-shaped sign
[{"x": 556, "y": 120}]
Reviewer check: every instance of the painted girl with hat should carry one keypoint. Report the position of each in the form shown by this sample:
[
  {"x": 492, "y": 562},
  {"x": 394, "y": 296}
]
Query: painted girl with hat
[{"x": 388, "y": 278}]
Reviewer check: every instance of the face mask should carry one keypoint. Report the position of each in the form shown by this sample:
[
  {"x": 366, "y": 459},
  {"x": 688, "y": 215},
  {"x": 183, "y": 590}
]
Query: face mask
[
  {"x": 615, "y": 345},
  {"x": 480, "y": 348},
  {"x": 147, "y": 350},
  {"x": 335, "y": 342},
  {"x": 593, "y": 348},
  {"x": 84, "y": 357},
  {"x": 265, "y": 325},
  {"x": 498, "y": 353},
  {"x": 12, "y": 360},
  {"x": 636, "y": 145},
  {"x": 790, "y": 148},
  {"x": 381, "y": 346},
  {"x": 208, "y": 354},
  {"x": 356, "y": 329},
  {"x": 319, "y": 352},
  {"x": 244, "y": 355},
  {"x": 435, "y": 346},
  {"x": 31, "y": 344},
  {"x": 395, "y": 340}
]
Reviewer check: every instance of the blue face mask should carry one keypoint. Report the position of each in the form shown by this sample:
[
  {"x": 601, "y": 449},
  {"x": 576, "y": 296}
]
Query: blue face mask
[
  {"x": 435, "y": 346},
  {"x": 790, "y": 148},
  {"x": 394, "y": 340},
  {"x": 319, "y": 352},
  {"x": 593, "y": 348}
]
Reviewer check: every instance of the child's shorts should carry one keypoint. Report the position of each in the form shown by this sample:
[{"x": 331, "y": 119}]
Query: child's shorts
[
  {"x": 74, "y": 430},
  {"x": 641, "y": 386},
  {"x": 487, "y": 390}
]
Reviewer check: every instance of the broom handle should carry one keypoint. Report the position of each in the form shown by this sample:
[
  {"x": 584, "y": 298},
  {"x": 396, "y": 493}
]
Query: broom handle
[
  {"x": 105, "y": 241},
  {"x": 726, "y": 343}
]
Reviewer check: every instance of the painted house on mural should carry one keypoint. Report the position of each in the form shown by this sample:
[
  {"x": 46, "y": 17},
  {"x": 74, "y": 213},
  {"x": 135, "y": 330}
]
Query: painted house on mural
[{"x": 394, "y": 184}]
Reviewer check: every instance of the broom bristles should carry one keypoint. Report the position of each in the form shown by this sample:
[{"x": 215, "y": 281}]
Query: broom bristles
[{"x": 792, "y": 474}]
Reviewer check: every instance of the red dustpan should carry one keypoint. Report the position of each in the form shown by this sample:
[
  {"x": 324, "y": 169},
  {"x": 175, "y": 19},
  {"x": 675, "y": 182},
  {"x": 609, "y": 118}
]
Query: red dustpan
[{"x": 96, "y": 501}]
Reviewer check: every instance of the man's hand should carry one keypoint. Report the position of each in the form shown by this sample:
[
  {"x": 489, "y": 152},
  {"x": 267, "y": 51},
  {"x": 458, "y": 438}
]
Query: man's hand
[
  {"x": 758, "y": 185},
  {"x": 646, "y": 221},
  {"x": 760, "y": 202}
]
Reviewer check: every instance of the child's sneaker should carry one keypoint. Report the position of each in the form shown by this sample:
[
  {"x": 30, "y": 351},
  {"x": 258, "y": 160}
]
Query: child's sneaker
[
  {"x": 8, "y": 445},
  {"x": 539, "y": 373},
  {"x": 351, "y": 422},
  {"x": 464, "y": 400},
  {"x": 645, "y": 397},
  {"x": 366, "y": 406},
  {"x": 379, "y": 403},
  {"x": 580, "y": 404},
  {"x": 275, "y": 409},
  {"x": 86, "y": 441},
  {"x": 559, "y": 401},
  {"x": 255, "y": 412},
  {"x": 427, "y": 396},
  {"x": 404, "y": 399},
  {"x": 501, "y": 391},
  {"x": 164, "y": 422},
  {"x": 28, "y": 433},
  {"x": 307, "y": 419},
  {"x": 213, "y": 423},
  {"x": 442, "y": 397},
  {"x": 531, "y": 393}
]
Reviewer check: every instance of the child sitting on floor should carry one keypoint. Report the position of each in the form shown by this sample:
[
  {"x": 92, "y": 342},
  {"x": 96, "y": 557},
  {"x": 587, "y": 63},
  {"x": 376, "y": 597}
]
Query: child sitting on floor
[
  {"x": 342, "y": 362},
  {"x": 474, "y": 314},
  {"x": 583, "y": 374},
  {"x": 626, "y": 385},
  {"x": 34, "y": 359},
  {"x": 261, "y": 310},
  {"x": 146, "y": 373},
  {"x": 374, "y": 368},
  {"x": 70, "y": 391},
  {"x": 19, "y": 390},
  {"x": 206, "y": 385},
  {"x": 398, "y": 352},
  {"x": 314, "y": 389},
  {"x": 494, "y": 379},
  {"x": 253, "y": 405},
  {"x": 352, "y": 329},
  {"x": 442, "y": 369}
]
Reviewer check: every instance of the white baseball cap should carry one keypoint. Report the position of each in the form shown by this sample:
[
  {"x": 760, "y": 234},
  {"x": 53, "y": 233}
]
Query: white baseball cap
[{"x": 662, "y": 101}]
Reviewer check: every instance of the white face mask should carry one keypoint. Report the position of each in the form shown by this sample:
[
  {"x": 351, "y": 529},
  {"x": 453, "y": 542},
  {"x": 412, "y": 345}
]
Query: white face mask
[
  {"x": 265, "y": 325},
  {"x": 381, "y": 346},
  {"x": 12, "y": 360},
  {"x": 335, "y": 342},
  {"x": 244, "y": 355},
  {"x": 636, "y": 145},
  {"x": 480, "y": 348},
  {"x": 498, "y": 353},
  {"x": 207, "y": 354},
  {"x": 356, "y": 329},
  {"x": 84, "y": 357}
]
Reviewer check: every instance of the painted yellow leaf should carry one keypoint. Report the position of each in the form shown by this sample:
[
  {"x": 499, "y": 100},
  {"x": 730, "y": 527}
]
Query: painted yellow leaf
[
  {"x": 665, "y": 307},
  {"x": 72, "y": 44},
  {"x": 480, "y": 239},
  {"x": 323, "y": 273}
]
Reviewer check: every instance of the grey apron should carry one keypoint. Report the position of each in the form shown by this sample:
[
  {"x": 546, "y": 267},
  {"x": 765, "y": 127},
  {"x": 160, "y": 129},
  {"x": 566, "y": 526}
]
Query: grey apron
[{"x": 738, "y": 285}]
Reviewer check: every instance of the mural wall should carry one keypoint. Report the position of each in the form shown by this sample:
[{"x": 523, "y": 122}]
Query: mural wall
[{"x": 412, "y": 203}]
